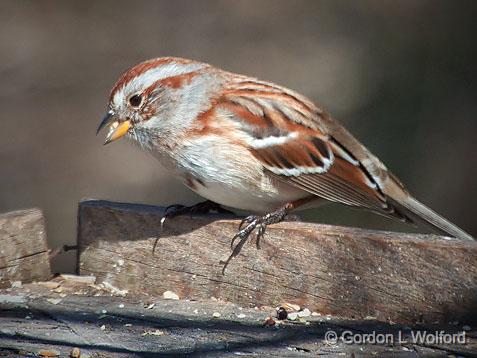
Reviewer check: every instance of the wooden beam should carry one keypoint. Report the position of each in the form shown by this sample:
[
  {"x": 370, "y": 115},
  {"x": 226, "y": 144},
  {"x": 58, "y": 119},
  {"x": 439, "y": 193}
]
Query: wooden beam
[
  {"x": 62, "y": 316},
  {"x": 23, "y": 247},
  {"x": 349, "y": 272}
]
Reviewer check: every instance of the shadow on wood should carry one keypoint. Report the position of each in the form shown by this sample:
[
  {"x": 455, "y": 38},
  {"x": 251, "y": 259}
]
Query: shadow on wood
[
  {"x": 62, "y": 315},
  {"x": 349, "y": 272}
]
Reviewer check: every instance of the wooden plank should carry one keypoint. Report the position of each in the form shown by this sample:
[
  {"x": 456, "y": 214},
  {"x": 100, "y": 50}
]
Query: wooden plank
[
  {"x": 60, "y": 316},
  {"x": 23, "y": 247},
  {"x": 349, "y": 272}
]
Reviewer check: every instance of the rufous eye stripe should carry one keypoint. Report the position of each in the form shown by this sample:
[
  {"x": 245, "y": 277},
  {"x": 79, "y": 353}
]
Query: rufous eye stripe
[
  {"x": 143, "y": 67},
  {"x": 172, "y": 82}
]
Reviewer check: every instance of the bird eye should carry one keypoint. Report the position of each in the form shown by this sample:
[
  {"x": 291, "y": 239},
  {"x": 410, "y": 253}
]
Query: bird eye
[{"x": 135, "y": 100}]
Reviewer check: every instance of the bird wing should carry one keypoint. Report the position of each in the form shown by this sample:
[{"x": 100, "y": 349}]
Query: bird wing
[{"x": 299, "y": 144}]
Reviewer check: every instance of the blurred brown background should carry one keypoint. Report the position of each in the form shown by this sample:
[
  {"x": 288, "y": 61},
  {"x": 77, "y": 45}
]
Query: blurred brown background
[{"x": 400, "y": 75}]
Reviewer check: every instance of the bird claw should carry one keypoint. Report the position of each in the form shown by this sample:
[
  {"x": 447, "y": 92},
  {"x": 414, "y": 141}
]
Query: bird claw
[
  {"x": 175, "y": 210},
  {"x": 246, "y": 227},
  {"x": 248, "y": 220},
  {"x": 244, "y": 233},
  {"x": 260, "y": 234},
  {"x": 171, "y": 209},
  {"x": 253, "y": 222},
  {"x": 204, "y": 207}
]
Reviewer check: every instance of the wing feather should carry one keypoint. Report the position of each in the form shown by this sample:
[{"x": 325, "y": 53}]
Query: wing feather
[
  {"x": 302, "y": 145},
  {"x": 294, "y": 155},
  {"x": 300, "y": 151}
]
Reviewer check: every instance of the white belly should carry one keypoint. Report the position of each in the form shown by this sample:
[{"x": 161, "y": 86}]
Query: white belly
[
  {"x": 229, "y": 175},
  {"x": 251, "y": 200}
]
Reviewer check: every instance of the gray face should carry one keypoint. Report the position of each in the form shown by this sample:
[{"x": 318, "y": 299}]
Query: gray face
[{"x": 144, "y": 94}]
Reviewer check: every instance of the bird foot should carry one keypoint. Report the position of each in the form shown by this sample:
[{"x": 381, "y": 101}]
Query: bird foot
[
  {"x": 248, "y": 225},
  {"x": 204, "y": 207}
]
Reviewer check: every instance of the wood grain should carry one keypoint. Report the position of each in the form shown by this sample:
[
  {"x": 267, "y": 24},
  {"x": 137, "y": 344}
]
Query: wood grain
[
  {"x": 23, "y": 247},
  {"x": 84, "y": 317},
  {"x": 350, "y": 272}
]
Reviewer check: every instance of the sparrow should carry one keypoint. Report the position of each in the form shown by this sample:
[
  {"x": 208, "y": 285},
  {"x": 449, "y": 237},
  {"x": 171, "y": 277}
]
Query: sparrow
[{"x": 253, "y": 145}]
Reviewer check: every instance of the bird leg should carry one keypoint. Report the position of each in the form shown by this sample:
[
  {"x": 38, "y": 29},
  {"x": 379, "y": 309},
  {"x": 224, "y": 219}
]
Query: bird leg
[{"x": 252, "y": 222}]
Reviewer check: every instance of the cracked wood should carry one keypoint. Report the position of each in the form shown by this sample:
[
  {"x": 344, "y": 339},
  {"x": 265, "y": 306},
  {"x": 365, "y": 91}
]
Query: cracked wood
[
  {"x": 351, "y": 272},
  {"x": 23, "y": 247}
]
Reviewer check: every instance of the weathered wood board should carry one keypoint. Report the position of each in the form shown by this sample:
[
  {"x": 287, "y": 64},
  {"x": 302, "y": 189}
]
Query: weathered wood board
[
  {"x": 353, "y": 273},
  {"x": 23, "y": 247},
  {"x": 60, "y": 317}
]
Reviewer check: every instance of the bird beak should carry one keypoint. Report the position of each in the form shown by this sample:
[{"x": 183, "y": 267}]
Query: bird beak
[{"x": 117, "y": 129}]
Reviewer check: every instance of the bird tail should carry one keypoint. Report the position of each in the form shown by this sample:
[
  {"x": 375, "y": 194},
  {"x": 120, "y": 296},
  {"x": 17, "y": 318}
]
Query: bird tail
[{"x": 413, "y": 210}]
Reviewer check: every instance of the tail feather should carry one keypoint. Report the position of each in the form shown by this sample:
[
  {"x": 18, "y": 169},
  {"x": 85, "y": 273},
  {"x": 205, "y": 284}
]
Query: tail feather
[{"x": 419, "y": 213}]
